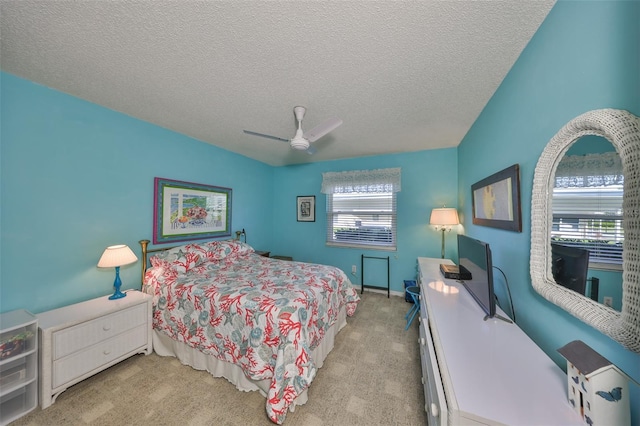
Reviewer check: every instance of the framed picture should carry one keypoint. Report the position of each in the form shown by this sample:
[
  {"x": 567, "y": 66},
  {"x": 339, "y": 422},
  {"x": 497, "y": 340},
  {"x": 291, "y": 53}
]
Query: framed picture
[
  {"x": 496, "y": 200},
  {"x": 306, "y": 208},
  {"x": 189, "y": 211}
]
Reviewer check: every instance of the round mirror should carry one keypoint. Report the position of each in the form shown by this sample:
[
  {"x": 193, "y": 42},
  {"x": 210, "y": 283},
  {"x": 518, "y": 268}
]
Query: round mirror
[{"x": 622, "y": 130}]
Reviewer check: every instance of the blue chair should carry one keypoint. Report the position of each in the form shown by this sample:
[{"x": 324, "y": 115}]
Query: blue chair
[{"x": 414, "y": 292}]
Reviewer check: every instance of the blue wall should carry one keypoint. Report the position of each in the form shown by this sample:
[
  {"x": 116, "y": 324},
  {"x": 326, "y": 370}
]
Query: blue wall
[
  {"x": 429, "y": 180},
  {"x": 590, "y": 144},
  {"x": 585, "y": 56},
  {"x": 77, "y": 177}
]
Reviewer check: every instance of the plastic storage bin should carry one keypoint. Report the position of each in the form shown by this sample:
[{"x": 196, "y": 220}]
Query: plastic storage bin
[
  {"x": 13, "y": 371},
  {"x": 18, "y": 364}
]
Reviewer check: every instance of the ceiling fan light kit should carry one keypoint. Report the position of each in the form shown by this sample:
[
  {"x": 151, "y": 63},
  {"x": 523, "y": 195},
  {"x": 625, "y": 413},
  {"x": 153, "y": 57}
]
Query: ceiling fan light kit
[{"x": 302, "y": 141}]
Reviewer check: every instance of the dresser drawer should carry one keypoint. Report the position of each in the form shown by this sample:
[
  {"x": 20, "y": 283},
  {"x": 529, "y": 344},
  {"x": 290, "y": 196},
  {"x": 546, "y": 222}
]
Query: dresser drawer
[
  {"x": 83, "y": 362},
  {"x": 84, "y": 335},
  {"x": 435, "y": 402}
]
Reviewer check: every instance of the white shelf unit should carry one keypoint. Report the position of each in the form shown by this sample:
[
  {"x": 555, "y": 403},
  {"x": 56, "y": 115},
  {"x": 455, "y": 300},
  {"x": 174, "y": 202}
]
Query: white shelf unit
[
  {"x": 18, "y": 364},
  {"x": 80, "y": 340}
]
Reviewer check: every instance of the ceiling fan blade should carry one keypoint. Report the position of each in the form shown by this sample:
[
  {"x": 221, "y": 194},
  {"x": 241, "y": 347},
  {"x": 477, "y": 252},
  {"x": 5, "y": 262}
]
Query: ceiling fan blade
[
  {"x": 249, "y": 132},
  {"x": 322, "y": 129}
]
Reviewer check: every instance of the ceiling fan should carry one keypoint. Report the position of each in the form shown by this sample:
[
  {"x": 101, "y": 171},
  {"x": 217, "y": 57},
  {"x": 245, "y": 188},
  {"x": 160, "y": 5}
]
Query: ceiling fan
[{"x": 302, "y": 141}]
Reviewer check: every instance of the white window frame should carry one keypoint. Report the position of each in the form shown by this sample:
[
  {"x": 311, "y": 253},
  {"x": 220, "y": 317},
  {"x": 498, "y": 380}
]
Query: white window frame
[{"x": 362, "y": 208}]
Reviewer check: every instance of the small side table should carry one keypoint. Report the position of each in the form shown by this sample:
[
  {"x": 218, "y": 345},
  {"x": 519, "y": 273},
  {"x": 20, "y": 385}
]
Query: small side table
[{"x": 282, "y": 257}]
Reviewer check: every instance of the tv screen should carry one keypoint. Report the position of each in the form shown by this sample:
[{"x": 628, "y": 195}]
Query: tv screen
[
  {"x": 474, "y": 256},
  {"x": 569, "y": 266}
]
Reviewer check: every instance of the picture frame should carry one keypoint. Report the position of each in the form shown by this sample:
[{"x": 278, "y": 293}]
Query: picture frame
[
  {"x": 306, "y": 208},
  {"x": 186, "y": 211},
  {"x": 496, "y": 200}
]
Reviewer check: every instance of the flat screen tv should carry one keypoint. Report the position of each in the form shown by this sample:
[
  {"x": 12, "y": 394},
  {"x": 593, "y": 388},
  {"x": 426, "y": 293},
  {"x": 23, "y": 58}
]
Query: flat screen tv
[
  {"x": 474, "y": 256},
  {"x": 569, "y": 266}
]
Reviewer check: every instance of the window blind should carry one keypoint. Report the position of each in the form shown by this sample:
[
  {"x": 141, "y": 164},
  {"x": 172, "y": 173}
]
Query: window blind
[
  {"x": 590, "y": 218},
  {"x": 361, "y": 208},
  {"x": 359, "y": 218}
]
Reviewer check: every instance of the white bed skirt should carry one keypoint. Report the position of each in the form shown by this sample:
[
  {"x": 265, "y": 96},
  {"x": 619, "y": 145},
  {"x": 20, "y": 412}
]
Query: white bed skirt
[{"x": 163, "y": 345}]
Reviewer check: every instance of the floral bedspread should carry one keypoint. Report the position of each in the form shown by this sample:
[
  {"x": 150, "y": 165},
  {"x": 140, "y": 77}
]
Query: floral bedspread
[{"x": 264, "y": 315}]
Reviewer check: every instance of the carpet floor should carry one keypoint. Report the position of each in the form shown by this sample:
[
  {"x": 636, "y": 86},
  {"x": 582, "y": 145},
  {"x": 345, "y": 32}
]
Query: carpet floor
[{"x": 372, "y": 377}]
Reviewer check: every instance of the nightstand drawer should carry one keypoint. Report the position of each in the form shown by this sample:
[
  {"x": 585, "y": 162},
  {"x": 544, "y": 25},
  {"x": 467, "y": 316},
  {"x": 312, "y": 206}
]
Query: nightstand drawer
[
  {"x": 82, "y": 336},
  {"x": 83, "y": 362}
]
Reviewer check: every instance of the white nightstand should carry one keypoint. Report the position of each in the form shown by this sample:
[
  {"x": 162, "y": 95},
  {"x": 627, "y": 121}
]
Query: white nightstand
[{"x": 78, "y": 341}]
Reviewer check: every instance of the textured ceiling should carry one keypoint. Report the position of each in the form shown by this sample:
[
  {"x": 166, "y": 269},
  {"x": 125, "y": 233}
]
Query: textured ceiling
[{"x": 403, "y": 76}]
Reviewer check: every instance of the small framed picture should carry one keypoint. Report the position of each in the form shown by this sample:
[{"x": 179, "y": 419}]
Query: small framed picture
[
  {"x": 496, "y": 200},
  {"x": 306, "y": 208}
]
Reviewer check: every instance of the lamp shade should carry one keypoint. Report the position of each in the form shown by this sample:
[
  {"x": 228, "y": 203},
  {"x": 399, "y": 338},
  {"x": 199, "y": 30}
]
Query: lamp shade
[
  {"x": 444, "y": 216},
  {"x": 117, "y": 255}
]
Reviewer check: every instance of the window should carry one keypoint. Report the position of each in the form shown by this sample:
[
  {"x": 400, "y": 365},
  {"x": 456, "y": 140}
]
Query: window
[
  {"x": 361, "y": 208},
  {"x": 587, "y": 211}
]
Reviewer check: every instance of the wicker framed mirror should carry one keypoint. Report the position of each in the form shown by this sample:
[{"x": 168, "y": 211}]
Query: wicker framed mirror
[{"x": 622, "y": 129}]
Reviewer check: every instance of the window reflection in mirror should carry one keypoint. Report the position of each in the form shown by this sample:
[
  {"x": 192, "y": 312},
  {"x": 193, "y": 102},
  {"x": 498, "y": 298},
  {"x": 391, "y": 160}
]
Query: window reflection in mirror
[{"x": 587, "y": 221}]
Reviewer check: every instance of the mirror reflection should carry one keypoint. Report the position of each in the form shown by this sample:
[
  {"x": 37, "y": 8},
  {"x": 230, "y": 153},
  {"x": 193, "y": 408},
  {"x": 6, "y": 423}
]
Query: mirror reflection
[
  {"x": 623, "y": 130},
  {"x": 587, "y": 230}
]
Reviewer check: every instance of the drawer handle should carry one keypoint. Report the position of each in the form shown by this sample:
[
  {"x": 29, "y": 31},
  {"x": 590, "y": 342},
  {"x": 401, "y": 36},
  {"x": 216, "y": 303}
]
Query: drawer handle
[
  {"x": 422, "y": 341},
  {"x": 106, "y": 351},
  {"x": 434, "y": 410},
  {"x": 106, "y": 327}
]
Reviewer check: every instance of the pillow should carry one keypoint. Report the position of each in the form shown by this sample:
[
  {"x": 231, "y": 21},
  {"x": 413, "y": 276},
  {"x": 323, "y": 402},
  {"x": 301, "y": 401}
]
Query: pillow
[
  {"x": 182, "y": 258},
  {"x": 218, "y": 250}
]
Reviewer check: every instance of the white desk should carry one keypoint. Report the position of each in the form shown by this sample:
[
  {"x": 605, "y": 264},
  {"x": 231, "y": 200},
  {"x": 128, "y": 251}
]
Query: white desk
[{"x": 490, "y": 372}]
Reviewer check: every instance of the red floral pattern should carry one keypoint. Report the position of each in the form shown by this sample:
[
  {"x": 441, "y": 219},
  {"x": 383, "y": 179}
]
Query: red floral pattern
[{"x": 262, "y": 314}]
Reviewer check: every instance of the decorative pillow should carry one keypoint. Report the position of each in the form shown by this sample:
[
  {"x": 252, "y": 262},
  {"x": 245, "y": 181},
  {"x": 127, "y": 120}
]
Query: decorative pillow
[
  {"x": 182, "y": 258},
  {"x": 218, "y": 250}
]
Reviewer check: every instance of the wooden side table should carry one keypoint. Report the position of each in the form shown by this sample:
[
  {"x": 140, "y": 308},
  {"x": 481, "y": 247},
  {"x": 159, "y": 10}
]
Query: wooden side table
[{"x": 282, "y": 257}]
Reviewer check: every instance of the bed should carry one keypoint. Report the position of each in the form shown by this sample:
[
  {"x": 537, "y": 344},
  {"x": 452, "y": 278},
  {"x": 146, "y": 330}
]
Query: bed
[{"x": 264, "y": 324}]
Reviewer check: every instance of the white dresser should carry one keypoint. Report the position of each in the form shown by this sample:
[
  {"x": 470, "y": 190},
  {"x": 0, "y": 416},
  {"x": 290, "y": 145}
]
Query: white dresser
[
  {"x": 478, "y": 372},
  {"x": 80, "y": 340}
]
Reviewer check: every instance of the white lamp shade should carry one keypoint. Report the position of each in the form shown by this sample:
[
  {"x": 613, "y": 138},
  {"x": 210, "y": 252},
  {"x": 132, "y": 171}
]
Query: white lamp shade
[
  {"x": 444, "y": 216},
  {"x": 116, "y": 256}
]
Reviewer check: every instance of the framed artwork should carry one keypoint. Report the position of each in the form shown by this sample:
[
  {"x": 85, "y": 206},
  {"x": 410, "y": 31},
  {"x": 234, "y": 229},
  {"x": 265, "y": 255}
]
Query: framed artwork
[
  {"x": 189, "y": 211},
  {"x": 306, "y": 208},
  {"x": 496, "y": 200}
]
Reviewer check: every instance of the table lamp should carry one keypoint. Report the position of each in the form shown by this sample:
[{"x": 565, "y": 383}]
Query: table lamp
[
  {"x": 117, "y": 256},
  {"x": 443, "y": 219}
]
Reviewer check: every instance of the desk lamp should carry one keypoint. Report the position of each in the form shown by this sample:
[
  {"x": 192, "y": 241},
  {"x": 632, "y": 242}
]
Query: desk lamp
[{"x": 117, "y": 256}]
